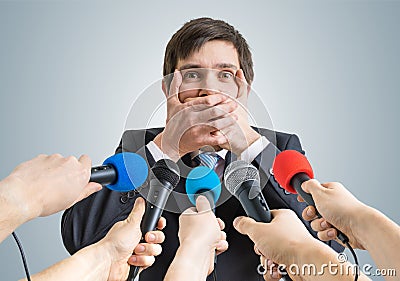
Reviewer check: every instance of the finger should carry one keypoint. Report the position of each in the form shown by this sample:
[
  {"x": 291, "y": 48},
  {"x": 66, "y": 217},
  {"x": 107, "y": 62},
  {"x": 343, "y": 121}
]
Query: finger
[
  {"x": 154, "y": 237},
  {"x": 300, "y": 199},
  {"x": 208, "y": 101},
  {"x": 162, "y": 223},
  {"x": 146, "y": 249},
  {"x": 221, "y": 223},
  {"x": 312, "y": 186},
  {"x": 137, "y": 212},
  {"x": 309, "y": 213},
  {"x": 272, "y": 275},
  {"x": 244, "y": 225},
  {"x": 85, "y": 161},
  {"x": 88, "y": 190},
  {"x": 215, "y": 139},
  {"x": 188, "y": 211},
  {"x": 224, "y": 122},
  {"x": 273, "y": 270},
  {"x": 221, "y": 247},
  {"x": 219, "y": 110},
  {"x": 257, "y": 251},
  {"x": 241, "y": 81},
  {"x": 202, "y": 204},
  {"x": 320, "y": 224},
  {"x": 328, "y": 234},
  {"x": 142, "y": 261},
  {"x": 175, "y": 84},
  {"x": 223, "y": 235}
]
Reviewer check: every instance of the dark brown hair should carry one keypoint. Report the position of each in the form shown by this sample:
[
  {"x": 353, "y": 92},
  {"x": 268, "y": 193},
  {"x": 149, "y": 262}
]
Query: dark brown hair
[{"x": 195, "y": 33}]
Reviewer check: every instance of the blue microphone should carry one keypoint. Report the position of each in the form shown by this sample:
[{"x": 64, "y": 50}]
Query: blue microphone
[
  {"x": 121, "y": 172},
  {"x": 203, "y": 181}
]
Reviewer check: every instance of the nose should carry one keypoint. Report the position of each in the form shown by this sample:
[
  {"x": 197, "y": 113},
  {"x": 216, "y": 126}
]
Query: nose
[{"x": 208, "y": 86}]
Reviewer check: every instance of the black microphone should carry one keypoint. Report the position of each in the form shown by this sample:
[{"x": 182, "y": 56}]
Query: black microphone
[
  {"x": 164, "y": 178},
  {"x": 121, "y": 172},
  {"x": 243, "y": 181}
]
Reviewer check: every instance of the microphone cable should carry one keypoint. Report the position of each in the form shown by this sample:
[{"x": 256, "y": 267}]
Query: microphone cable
[
  {"x": 354, "y": 258},
  {"x": 21, "y": 250}
]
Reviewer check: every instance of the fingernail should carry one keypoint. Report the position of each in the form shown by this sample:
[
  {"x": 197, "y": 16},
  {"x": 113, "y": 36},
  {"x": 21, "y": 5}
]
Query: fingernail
[
  {"x": 151, "y": 237},
  {"x": 331, "y": 233},
  {"x": 309, "y": 212},
  {"x": 140, "y": 249},
  {"x": 133, "y": 259},
  {"x": 324, "y": 224},
  {"x": 275, "y": 274}
]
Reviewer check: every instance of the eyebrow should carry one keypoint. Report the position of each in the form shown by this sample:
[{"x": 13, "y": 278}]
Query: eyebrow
[{"x": 218, "y": 66}]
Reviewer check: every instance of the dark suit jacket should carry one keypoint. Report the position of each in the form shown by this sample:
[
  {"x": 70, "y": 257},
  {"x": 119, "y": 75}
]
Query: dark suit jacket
[{"x": 89, "y": 220}]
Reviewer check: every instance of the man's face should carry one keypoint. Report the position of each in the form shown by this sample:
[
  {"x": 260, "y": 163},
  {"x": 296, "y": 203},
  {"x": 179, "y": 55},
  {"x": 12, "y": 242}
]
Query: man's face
[{"x": 210, "y": 70}]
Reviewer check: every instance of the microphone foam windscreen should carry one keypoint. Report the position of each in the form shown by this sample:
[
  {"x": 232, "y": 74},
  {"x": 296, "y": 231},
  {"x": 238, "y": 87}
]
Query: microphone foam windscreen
[
  {"x": 238, "y": 172},
  {"x": 202, "y": 179},
  {"x": 131, "y": 171},
  {"x": 289, "y": 163},
  {"x": 168, "y": 170}
]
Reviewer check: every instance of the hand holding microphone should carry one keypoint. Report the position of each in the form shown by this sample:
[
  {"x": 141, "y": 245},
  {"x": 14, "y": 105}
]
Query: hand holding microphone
[
  {"x": 46, "y": 185},
  {"x": 337, "y": 207},
  {"x": 203, "y": 181},
  {"x": 200, "y": 234},
  {"x": 291, "y": 170}
]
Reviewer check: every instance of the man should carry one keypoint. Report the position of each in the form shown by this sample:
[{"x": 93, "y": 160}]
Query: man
[{"x": 208, "y": 71}]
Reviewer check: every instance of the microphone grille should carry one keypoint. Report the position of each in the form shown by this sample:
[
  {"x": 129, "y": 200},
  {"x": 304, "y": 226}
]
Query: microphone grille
[
  {"x": 238, "y": 172},
  {"x": 166, "y": 169}
]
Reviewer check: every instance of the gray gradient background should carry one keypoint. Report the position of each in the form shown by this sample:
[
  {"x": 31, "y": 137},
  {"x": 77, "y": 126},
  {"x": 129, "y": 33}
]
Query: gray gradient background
[{"x": 327, "y": 70}]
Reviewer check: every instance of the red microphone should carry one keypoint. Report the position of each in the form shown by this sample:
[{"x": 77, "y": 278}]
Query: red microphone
[{"x": 291, "y": 169}]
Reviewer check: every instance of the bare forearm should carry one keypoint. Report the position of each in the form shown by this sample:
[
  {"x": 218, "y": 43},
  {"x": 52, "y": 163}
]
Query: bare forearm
[
  {"x": 12, "y": 214},
  {"x": 380, "y": 236},
  {"x": 319, "y": 262},
  {"x": 191, "y": 262},
  {"x": 90, "y": 263}
]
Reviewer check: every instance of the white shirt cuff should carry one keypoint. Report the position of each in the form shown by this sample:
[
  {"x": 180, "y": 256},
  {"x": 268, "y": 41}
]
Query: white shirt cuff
[
  {"x": 156, "y": 152},
  {"x": 254, "y": 149}
]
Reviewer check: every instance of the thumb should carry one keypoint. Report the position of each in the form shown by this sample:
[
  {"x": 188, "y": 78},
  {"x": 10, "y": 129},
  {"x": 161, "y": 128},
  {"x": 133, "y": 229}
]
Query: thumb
[
  {"x": 312, "y": 186},
  {"x": 88, "y": 190},
  {"x": 137, "y": 212},
  {"x": 202, "y": 204},
  {"x": 244, "y": 225}
]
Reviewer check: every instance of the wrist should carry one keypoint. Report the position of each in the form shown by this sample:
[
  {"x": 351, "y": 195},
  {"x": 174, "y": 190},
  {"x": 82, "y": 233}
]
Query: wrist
[
  {"x": 251, "y": 137},
  {"x": 196, "y": 247},
  {"x": 166, "y": 149},
  {"x": 361, "y": 230},
  {"x": 14, "y": 195}
]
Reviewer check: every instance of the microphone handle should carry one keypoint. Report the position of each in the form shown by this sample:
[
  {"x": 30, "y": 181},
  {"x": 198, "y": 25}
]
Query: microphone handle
[
  {"x": 296, "y": 182},
  {"x": 103, "y": 175},
  {"x": 159, "y": 192},
  {"x": 256, "y": 207}
]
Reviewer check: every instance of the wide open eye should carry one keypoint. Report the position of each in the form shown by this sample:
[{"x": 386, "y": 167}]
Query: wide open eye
[
  {"x": 225, "y": 75},
  {"x": 191, "y": 76}
]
